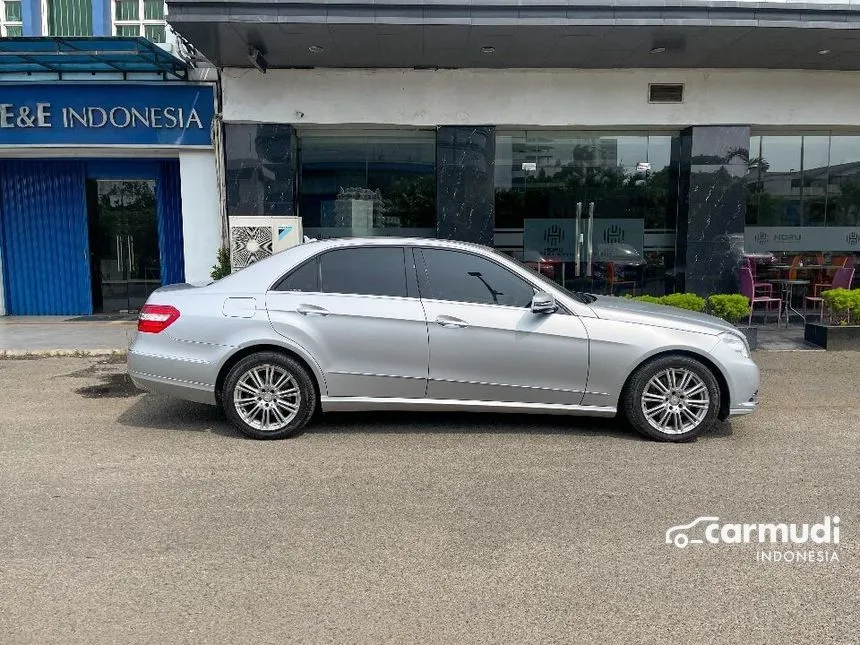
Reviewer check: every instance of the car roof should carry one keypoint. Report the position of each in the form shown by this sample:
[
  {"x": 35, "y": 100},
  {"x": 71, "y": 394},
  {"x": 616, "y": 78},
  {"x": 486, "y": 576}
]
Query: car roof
[{"x": 395, "y": 241}]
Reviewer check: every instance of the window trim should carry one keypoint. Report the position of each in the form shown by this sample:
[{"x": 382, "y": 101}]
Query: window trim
[
  {"x": 425, "y": 285},
  {"x": 411, "y": 286},
  {"x": 141, "y": 23},
  {"x": 5, "y": 24}
]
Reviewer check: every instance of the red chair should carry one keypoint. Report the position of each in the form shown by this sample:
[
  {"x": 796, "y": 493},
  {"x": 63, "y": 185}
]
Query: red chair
[
  {"x": 612, "y": 279},
  {"x": 842, "y": 280},
  {"x": 822, "y": 285},
  {"x": 748, "y": 289}
]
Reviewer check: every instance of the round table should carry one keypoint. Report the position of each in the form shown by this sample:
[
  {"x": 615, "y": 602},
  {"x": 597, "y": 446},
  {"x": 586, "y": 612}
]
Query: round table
[{"x": 787, "y": 291}]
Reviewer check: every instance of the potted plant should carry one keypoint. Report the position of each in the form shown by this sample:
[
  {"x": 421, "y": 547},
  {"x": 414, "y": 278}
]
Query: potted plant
[
  {"x": 734, "y": 308},
  {"x": 222, "y": 268},
  {"x": 839, "y": 329}
]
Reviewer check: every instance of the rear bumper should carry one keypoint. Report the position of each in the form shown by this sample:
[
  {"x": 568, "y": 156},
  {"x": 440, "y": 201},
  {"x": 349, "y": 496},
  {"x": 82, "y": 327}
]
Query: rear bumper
[
  {"x": 187, "y": 390},
  {"x": 160, "y": 364}
]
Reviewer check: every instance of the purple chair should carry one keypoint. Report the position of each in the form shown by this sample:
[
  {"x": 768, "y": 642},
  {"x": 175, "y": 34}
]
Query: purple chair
[
  {"x": 765, "y": 287},
  {"x": 748, "y": 289},
  {"x": 842, "y": 279}
]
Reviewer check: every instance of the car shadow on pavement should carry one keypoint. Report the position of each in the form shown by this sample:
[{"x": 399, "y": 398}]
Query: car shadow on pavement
[{"x": 165, "y": 413}]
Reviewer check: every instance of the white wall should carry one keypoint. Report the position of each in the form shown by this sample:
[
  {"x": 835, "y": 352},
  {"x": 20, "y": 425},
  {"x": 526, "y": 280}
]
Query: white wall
[
  {"x": 201, "y": 228},
  {"x": 587, "y": 98}
]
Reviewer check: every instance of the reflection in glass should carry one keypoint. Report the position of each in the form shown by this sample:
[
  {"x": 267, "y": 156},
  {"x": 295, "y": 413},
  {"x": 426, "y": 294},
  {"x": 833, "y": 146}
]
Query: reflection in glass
[
  {"x": 375, "y": 183},
  {"x": 629, "y": 178}
]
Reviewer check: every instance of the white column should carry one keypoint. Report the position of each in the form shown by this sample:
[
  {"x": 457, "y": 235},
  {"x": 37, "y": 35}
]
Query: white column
[{"x": 201, "y": 229}]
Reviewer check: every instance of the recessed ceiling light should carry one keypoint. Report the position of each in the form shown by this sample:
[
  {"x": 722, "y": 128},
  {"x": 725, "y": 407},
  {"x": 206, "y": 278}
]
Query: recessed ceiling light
[
  {"x": 488, "y": 49},
  {"x": 315, "y": 49},
  {"x": 823, "y": 51},
  {"x": 658, "y": 50}
]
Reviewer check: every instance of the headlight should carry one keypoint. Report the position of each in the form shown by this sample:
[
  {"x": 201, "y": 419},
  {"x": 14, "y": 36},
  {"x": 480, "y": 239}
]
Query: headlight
[{"x": 737, "y": 343}]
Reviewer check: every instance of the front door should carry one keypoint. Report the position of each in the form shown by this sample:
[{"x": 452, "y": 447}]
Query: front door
[
  {"x": 125, "y": 260},
  {"x": 487, "y": 345}
]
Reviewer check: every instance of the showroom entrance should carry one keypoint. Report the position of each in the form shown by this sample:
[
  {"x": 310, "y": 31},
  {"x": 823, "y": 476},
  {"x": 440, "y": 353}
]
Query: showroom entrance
[
  {"x": 596, "y": 211},
  {"x": 123, "y": 236}
]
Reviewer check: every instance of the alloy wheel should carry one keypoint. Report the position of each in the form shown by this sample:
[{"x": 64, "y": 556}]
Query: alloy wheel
[
  {"x": 267, "y": 397},
  {"x": 675, "y": 401}
]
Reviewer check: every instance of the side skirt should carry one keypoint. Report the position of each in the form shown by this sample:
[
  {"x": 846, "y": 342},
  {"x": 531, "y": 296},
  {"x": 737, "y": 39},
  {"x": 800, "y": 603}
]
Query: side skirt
[{"x": 364, "y": 403}]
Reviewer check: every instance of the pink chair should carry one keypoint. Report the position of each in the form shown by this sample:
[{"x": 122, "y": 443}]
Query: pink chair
[
  {"x": 748, "y": 289},
  {"x": 842, "y": 279},
  {"x": 764, "y": 287}
]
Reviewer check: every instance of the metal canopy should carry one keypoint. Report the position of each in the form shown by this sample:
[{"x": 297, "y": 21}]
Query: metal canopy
[
  {"x": 595, "y": 34},
  {"x": 58, "y": 55}
]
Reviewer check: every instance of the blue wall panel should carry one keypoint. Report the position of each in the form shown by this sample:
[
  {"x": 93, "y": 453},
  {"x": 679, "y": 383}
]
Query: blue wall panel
[
  {"x": 43, "y": 220},
  {"x": 170, "y": 239}
]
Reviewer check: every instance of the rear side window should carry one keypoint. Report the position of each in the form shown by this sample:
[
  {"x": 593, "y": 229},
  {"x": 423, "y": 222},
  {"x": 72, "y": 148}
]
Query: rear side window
[
  {"x": 305, "y": 278},
  {"x": 371, "y": 271},
  {"x": 462, "y": 277}
]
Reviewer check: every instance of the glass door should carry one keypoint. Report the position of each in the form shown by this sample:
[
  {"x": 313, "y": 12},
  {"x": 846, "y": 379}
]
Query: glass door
[
  {"x": 126, "y": 264},
  {"x": 584, "y": 202}
]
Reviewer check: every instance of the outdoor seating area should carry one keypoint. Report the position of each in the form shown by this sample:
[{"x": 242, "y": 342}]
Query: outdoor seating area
[{"x": 790, "y": 287}]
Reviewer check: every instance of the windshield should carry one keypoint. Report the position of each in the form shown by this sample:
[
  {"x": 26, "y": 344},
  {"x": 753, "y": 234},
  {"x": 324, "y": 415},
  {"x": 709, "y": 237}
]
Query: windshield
[{"x": 579, "y": 296}]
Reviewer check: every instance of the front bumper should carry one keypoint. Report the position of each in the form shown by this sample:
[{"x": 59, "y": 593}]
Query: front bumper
[{"x": 747, "y": 407}]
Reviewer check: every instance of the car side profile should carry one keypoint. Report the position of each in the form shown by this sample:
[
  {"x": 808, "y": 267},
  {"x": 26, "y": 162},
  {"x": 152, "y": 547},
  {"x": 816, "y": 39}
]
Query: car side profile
[{"x": 413, "y": 324}]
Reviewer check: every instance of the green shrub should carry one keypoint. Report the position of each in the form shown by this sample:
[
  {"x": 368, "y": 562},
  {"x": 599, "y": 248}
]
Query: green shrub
[
  {"x": 684, "y": 301},
  {"x": 841, "y": 303},
  {"x": 730, "y": 307},
  {"x": 654, "y": 300},
  {"x": 222, "y": 269}
]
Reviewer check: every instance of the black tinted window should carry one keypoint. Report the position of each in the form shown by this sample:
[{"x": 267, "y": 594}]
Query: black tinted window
[
  {"x": 305, "y": 278},
  {"x": 376, "y": 271},
  {"x": 463, "y": 277}
]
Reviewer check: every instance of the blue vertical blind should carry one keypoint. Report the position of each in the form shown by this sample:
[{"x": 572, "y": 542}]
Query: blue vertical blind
[
  {"x": 43, "y": 228},
  {"x": 170, "y": 238}
]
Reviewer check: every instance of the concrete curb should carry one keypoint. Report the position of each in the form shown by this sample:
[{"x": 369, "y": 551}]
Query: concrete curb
[{"x": 48, "y": 353}]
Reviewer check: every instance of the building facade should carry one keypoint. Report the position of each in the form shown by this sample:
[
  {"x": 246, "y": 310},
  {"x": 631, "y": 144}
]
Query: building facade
[
  {"x": 654, "y": 144},
  {"x": 107, "y": 175}
]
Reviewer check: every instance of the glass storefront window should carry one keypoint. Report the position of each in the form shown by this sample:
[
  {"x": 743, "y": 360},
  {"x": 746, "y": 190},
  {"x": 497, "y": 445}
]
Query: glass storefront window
[
  {"x": 379, "y": 182},
  {"x": 542, "y": 176}
]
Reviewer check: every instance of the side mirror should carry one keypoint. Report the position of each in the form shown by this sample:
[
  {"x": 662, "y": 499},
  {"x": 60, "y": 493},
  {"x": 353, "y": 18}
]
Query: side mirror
[{"x": 543, "y": 303}]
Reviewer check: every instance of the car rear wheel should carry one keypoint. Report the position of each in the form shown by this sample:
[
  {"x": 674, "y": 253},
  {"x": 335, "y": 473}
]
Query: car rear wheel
[
  {"x": 674, "y": 398},
  {"x": 268, "y": 396}
]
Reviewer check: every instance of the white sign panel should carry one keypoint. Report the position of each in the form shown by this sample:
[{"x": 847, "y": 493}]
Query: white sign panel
[
  {"x": 616, "y": 239},
  {"x": 801, "y": 238},
  {"x": 552, "y": 239}
]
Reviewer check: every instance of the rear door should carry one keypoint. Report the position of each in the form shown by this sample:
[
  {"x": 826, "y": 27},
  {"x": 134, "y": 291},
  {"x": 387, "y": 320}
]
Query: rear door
[
  {"x": 487, "y": 345},
  {"x": 357, "y": 311}
]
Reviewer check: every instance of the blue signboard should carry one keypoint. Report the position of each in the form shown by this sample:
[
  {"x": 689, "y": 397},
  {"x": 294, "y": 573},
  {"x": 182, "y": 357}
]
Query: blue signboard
[{"x": 119, "y": 114}]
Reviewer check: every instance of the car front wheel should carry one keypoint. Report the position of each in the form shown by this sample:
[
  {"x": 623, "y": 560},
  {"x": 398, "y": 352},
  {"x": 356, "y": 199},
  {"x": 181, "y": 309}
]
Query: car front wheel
[
  {"x": 674, "y": 398},
  {"x": 268, "y": 396}
]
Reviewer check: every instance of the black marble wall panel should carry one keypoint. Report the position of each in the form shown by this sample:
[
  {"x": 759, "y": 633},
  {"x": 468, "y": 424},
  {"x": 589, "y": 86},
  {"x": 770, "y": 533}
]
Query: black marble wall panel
[
  {"x": 712, "y": 206},
  {"x": 465, "y": 162},
  {"x": 260, "y": 168}
]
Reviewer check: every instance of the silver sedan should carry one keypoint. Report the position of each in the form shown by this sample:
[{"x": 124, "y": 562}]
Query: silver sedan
[{"x": 412, "y": 324}]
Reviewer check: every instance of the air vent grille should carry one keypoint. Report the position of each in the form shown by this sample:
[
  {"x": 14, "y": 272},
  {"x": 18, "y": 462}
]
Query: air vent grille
[{"x": 666, "y": 93}]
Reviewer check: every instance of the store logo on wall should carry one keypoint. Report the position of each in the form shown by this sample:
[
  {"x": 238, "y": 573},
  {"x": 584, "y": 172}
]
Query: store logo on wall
[
  {"x": 761, "y": 238},
  {"x": 853, "y": 238},
  {"x": 613, "y": 234},
  {"x": 554, "y": 235}
]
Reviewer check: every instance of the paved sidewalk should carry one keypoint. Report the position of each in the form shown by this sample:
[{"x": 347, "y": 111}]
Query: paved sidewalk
[{"x": 92, "y": 335}]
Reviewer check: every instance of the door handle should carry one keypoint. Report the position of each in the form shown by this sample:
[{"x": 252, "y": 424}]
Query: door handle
[
  {"x": 312, "y": 310},
  {"x": 451, "y": 321},
  {"x": 118, "y": 255},
  {"x": 589, "y": 247},
  {"x": 130, "y": 256}
]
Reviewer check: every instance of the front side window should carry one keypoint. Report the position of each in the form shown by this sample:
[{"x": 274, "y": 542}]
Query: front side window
[
  {"x": 140, "y": 18},
  {"x": 462, "y": 277},
  {"x": 374, "y": 271}
]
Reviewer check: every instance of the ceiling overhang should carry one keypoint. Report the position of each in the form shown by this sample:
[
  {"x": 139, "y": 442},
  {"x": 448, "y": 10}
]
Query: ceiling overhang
[{"x": 512, "y": 34}]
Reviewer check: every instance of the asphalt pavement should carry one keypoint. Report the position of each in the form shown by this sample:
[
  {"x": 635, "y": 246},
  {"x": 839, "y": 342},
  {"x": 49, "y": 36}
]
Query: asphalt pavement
[{"x": 134, "y": 518}]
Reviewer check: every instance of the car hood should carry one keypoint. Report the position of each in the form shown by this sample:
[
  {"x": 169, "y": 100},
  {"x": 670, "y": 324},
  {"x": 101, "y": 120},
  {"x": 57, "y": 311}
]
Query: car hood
[{"x": 645, "y": 313}]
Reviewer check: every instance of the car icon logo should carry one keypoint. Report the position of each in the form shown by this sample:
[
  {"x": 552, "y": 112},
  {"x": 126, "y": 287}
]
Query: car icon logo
[{"x": 678, "y": 536}]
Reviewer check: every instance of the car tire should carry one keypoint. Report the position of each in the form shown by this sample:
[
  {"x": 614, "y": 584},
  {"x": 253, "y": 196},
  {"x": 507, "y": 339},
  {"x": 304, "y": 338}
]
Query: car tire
[
  {"x": 268, "y": 395},
  {"x": 672, "y": 398}
]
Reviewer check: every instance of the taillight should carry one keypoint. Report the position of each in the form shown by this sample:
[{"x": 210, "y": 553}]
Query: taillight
[{"x": 156, "y": 318}]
